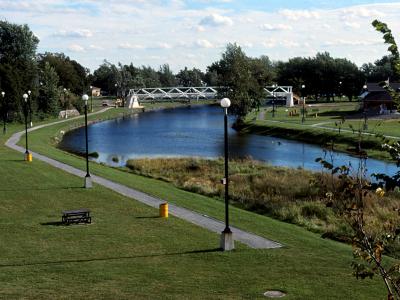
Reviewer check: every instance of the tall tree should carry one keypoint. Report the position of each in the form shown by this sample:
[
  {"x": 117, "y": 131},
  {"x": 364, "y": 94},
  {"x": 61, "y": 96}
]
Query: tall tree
[
  {"x": 49, "y": 94},
  {"x": 72, "y": 75},
  {"x": 17, "y": 43},
  {"x": 189, "y": 78},
  {"x": 237, "y": 82},
  {"x": 380, "y": 70},
  {"x": 167, "y": 78},
  {"x": 17, "y": 58}
]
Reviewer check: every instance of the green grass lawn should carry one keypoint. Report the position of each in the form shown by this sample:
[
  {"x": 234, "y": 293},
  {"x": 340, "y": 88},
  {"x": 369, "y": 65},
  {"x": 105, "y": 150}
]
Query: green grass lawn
[
  {"x": 129, "y": 253},
  {"x": 315, "y": 113},
  {"x": 317, "y": 129},
  {"x": 375, "y": 126}
]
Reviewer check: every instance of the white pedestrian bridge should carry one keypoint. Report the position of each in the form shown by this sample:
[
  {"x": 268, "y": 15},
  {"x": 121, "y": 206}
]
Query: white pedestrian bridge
[
  {"x": 197, "y": 93},
  {"x": 174, "y": 93}
]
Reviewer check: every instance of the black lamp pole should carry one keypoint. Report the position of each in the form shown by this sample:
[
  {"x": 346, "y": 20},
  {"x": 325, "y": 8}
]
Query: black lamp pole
[
  {"x": 273, "y": 105},
  {"x": 25, "y": 96},
  {"x": 304, "y": 104},
  {"x": 4, "y": 108},
  {"x": 227, "y": 229},
  {"x": 30, "y": 108},
  {"x": 91, "y": 98},
  {"x": 88, "y": 182},
  {"x": 227, "y": 242},
  {"x": 365, "y": 126},
  {"x": 273, "y": 100}
]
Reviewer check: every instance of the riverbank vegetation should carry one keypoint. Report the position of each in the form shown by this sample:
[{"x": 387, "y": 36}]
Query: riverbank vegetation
[{"x": 291, "y": 195}]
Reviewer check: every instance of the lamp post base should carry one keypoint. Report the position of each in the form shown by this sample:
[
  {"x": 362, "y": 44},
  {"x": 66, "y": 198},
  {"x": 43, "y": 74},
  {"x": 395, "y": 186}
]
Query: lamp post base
[
  {"x": 88, "y": 182},
  {"x": 227, "y": 242}
]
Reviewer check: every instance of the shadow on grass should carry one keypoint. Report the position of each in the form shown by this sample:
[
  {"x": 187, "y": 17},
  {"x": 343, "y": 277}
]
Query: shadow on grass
[
  {"x": 108, "y": 258},
  {"x": 43, "y": 189},
  {"x": 148, "y": 217},
  {"x": 59, "y": 223}
]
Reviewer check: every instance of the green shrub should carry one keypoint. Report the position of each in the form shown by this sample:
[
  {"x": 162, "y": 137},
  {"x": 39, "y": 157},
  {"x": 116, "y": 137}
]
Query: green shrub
[{"x": 315, "y": 210}]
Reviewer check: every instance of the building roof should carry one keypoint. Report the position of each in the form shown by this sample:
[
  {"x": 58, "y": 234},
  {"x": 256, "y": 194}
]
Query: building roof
[
  {"x": 376, "y": 93},
  {"x": 377, "y": 96},
  {"x": 376, "y": 87}
]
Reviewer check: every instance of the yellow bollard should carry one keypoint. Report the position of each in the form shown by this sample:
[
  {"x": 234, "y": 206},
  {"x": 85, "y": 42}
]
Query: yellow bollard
[
  {"x": 28, "y": 157},
  {"x": 164, "y": 210}
]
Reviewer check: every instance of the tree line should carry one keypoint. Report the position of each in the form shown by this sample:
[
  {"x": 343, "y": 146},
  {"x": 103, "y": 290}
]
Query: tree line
[{"x": 56, "y": 82}]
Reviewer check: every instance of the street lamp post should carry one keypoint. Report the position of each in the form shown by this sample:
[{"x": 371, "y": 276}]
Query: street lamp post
[
  {"x": 304, "y": 104},
  {"x": 4, "y": 111},
  {"x": 116, "y": 95},
  {"x": 65, "y": 92},
  {"x": 365, "y": 125},
  {"x": 28, "y": 156},
  {"x": 30, "y": 108},
  {"x": 227, "y": 242},
  {"x": 91, "y": 98},
  {"x": 273, "y": 101},
  {"x": 88, "y": 179}
]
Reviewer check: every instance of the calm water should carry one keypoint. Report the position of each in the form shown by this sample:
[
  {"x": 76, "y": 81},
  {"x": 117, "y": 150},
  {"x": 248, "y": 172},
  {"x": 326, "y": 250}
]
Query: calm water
[{"x": 196, "y": 131}]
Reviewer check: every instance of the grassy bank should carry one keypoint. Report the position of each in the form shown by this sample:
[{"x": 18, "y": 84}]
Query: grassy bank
[
  {"x": 337, "y": 124},
  {"x": 129, "y": 253},
  {"x": 343, "y": 141}
]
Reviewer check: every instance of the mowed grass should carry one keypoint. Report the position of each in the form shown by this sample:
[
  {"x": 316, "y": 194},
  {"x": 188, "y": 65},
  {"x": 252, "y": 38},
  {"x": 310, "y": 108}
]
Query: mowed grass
[
  {"x": 129, "y": 253},
  {"x": 315, "y": 113}
]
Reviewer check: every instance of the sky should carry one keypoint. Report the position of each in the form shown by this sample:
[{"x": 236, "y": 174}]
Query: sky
[{"x": 194, "y": 33}]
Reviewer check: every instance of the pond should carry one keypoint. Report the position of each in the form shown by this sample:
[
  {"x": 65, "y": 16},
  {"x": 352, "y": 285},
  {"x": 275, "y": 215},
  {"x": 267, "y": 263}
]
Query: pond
[{"x": 196, "y": 131}]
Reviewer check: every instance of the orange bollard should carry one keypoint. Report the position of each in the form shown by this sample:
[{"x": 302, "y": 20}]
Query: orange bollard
[{"x": 164, "y": 210}]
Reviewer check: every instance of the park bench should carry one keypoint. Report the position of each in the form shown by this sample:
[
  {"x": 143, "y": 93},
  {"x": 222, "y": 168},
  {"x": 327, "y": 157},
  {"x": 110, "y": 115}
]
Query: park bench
[{"x": 76, "y": 216}]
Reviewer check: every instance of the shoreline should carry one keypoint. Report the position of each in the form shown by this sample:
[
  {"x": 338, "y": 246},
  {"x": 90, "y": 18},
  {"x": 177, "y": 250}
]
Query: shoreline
[{"x": 323, "y": 138}]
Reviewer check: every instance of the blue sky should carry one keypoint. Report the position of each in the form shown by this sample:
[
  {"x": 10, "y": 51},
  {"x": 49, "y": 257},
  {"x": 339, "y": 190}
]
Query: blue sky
[
  {"x": 194, "y": 33},
  {"x": 276, "y": 5}
]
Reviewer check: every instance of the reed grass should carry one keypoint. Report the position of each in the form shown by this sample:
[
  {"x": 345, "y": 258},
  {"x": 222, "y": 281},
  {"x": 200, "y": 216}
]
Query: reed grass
[{"x": 287, "y": 194}]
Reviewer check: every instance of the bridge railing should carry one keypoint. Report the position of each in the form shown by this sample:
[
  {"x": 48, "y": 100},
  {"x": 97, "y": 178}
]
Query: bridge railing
[
  {"x": 172, "y": 93},
  {"x": 199, "y": 93}
]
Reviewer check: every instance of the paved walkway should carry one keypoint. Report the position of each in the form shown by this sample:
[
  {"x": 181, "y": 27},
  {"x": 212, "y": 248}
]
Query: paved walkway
[{"x": 251, "y": 240}]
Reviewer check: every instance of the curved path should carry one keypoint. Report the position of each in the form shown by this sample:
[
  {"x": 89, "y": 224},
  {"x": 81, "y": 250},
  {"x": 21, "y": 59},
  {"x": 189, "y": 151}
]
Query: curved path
[{"x": 251, "y": 240}]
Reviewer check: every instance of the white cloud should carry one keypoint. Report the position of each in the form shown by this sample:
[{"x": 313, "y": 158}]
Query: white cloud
[
  {"x": 247, "y": 45},
  {"x": 76, "y": 48},
  {"x": 275, "y": 27},
  {"x": 269, "y": 43},
  {"x": 78, "y": 33},
  {"x": 289, "y": 44},
  {"x": 353, "y": 25},
  {"x": 362, "y": 12},
  {"x": 127, "y": 45},
  {"x": 204, "y": 44},
  {"x": 96, "y": 47},
  {"x": 342, "y": 42},
  {"x": 199, "y": 28},
  {"x": 216, "y": 20},
  {"x": 163, "y": 46},
  {"x": 299, "y": 14}
]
